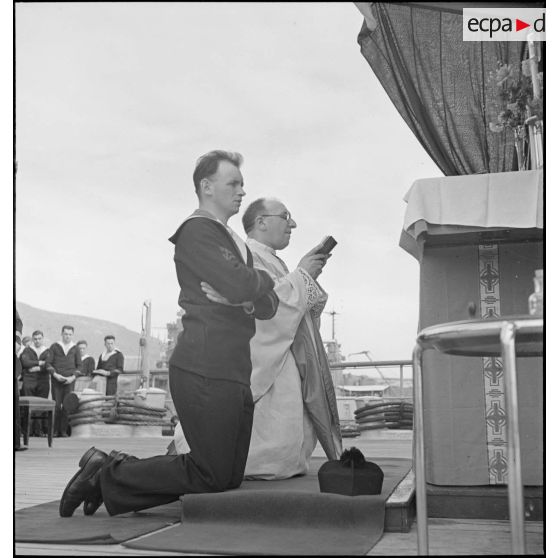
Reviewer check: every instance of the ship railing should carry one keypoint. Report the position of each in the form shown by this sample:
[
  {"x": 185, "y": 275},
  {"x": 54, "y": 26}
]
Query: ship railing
[
  {"x": 379, "y": 366},
  {"x": 159, "y": 377}
]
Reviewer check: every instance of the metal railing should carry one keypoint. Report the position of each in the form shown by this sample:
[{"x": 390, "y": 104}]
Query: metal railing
[
  {"x": 159, "y": 378},
  {"x": 378, "y": 364}
]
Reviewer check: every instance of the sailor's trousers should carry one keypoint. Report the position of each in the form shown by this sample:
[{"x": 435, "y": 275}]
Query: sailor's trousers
[
  {"x": 216, "y": 417},
  {"x": 59, "y": 392}
]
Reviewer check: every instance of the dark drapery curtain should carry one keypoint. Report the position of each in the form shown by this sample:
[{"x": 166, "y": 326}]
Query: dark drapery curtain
[{"x": 440, "y": 84}]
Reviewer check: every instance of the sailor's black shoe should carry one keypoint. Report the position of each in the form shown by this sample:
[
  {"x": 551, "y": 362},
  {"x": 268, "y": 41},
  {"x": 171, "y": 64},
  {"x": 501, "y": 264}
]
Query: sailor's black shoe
[
  {"x": 92, "y": 503},
  {"x": 90, "y": 506},
  {"x": 85, "y": 483}
]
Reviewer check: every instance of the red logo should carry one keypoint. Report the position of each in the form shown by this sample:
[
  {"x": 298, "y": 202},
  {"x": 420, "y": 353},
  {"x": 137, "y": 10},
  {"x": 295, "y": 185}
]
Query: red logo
[{"x": 519, "y": 25}]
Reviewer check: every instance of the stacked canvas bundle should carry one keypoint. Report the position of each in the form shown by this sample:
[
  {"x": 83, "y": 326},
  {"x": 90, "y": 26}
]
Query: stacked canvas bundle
[
  {"x": 111, "y": 409},
  {"x": 89, "y": 410},
  {"x": 393, "y": 414},
  {"x": 129, "y": 411}
]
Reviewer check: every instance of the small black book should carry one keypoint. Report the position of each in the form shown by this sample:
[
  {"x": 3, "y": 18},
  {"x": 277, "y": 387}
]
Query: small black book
[{"x": 327, "y": 245}]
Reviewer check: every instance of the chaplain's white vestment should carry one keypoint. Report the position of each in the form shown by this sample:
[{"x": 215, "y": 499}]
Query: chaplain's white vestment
[{"x": 283, "y": 437}]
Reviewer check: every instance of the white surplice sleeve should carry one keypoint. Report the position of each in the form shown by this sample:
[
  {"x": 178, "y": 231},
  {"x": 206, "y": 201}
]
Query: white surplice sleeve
[{"x": 316, "y": 296}]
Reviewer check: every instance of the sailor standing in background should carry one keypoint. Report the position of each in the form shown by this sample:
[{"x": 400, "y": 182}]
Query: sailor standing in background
[
  {"x": 25, "y": 342},
  {"x": 87, "y": 362},
  {"x": 35, "y": 361},
  {"x": 110, "y": 365},
  {"x": 18, "y": 327},
  {"x": 65, "y": 365}
]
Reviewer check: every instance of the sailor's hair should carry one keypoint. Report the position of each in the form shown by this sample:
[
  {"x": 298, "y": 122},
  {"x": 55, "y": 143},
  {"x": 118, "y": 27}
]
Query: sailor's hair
[{"x": 208, "y": 164}]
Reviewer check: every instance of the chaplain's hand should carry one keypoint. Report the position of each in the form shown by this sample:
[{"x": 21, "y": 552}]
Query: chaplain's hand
[
  {"x": 101, "y": 372},
  {"x": 217, "y": 297},
  {"x": 313, "y": 263}
]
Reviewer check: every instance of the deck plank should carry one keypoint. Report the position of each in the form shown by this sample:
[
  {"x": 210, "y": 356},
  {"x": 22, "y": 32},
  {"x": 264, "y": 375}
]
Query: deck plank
[{"x": 460, "y": 537}]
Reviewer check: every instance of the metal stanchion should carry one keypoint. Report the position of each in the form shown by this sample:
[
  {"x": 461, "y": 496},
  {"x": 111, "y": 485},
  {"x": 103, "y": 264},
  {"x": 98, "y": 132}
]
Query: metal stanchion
[
  {"x": 515, "y": 485},
  {"x": 419, "y": 463}
]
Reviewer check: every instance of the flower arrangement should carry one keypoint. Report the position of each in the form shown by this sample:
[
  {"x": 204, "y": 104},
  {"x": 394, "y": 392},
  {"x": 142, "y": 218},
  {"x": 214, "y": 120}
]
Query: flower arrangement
[{"x": 514, "y": 90}]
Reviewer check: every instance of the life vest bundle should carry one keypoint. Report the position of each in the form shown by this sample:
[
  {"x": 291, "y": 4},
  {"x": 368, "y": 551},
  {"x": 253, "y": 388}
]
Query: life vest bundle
[{"x": 396, "y": 414}]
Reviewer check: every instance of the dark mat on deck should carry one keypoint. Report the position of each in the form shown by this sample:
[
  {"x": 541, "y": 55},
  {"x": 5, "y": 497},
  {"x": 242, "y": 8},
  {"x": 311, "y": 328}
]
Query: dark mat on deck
[
  {"x": 289, "y": 517},
  {"x": 42, "y": 524}
]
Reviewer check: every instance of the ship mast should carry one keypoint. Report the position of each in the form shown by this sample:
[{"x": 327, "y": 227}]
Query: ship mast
[
  {"x": 333, "y": 313},
  {"x": 144, "y": 343}
]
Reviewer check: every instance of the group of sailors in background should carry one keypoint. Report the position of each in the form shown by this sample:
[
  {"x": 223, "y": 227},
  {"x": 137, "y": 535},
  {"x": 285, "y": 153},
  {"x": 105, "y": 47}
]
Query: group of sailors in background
[{"x": 53, "y": 371}]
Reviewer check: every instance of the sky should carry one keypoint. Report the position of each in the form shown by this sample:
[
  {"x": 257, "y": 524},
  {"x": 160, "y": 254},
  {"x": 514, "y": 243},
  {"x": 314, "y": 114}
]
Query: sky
[{"x": 116, "y": 101}]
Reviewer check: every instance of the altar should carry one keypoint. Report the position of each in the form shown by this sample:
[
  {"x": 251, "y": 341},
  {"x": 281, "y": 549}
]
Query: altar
[{"x": 478, "y": 240}]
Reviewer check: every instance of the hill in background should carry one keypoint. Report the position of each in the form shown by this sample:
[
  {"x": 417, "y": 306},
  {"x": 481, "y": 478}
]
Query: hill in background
[{"x": 93, "y": 330}]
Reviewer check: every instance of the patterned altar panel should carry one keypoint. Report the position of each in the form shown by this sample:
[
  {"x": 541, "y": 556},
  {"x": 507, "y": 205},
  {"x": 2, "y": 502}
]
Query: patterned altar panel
[{"x": 489, "y": 278}]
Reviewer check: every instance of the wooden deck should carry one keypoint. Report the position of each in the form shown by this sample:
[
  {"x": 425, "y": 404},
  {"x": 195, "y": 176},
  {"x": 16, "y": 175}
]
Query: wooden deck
[{"x": 41, "y": 473}]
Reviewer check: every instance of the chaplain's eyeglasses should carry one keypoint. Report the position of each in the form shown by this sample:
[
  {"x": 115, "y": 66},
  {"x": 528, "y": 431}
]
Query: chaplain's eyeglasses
[{"x": 286, "y": 215}]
